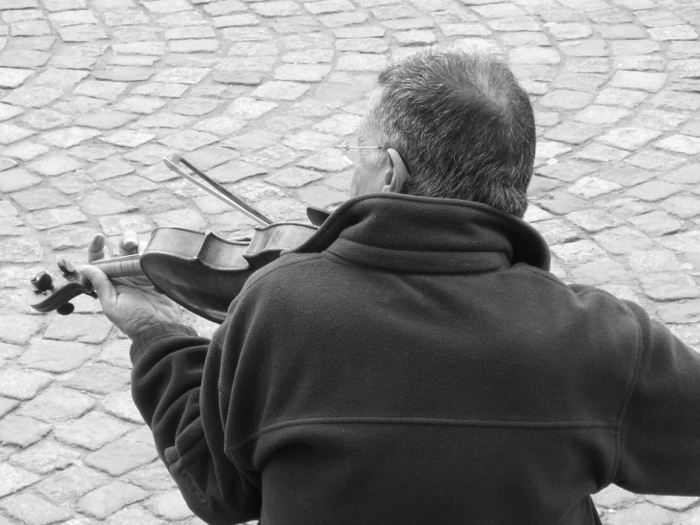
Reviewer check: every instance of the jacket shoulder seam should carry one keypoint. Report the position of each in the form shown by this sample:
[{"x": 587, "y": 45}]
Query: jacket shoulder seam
[
  {"x": 637, "y": 366},
  {"x": 630, "y": 389},
  {"x": 284, "y": 264}
]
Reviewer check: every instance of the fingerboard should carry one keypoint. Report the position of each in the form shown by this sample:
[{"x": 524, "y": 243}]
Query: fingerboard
[{"x": 125, "y": 266}]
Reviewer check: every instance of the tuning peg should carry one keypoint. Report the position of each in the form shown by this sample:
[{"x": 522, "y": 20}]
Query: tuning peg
[
  {"x": 66, "y": 268},
  {"x": 65, "y": 309},
  {"x": 43, "y": 282}
]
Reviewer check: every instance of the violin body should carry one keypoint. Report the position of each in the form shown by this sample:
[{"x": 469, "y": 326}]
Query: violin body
[
  {"x": 204, "y": 273},
  {"x": 200, "y": 271}
]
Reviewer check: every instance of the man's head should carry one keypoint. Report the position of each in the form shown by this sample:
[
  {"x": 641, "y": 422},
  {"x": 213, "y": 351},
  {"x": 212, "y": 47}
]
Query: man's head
[{"x": 452, "y": 125}]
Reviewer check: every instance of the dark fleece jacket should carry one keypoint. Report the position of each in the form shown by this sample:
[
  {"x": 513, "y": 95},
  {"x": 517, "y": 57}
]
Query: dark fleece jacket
[{"x": 415, "y": 363}]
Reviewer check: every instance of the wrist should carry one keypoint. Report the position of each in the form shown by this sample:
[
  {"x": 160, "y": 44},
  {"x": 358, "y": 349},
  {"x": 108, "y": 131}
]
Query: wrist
[{"x": 152, "y": 332}]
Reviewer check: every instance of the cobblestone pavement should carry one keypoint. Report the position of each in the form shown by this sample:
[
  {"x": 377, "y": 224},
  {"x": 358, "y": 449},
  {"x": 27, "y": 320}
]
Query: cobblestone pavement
[{"x": 93, "y": 94}]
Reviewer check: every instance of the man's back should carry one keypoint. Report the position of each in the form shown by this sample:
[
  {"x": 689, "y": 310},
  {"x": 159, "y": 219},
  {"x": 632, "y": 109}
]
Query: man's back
[
  {"x": 414, "y": 363},
  {"x": 385, "y": 394}
]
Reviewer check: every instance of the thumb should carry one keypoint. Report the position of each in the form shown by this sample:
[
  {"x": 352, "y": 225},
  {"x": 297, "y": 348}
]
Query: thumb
[{"x": 101, "y": 284}]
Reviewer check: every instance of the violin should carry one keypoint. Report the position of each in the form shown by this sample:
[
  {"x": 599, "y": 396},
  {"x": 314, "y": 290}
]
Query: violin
[{"x": 202, "y": 272}]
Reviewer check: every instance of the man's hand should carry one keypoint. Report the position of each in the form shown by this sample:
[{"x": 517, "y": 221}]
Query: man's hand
[{"x": 130, "y": 303}]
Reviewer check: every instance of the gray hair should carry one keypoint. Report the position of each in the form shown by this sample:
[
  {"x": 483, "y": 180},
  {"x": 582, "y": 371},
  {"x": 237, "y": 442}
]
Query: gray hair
[{"x": 462, "y": 124}]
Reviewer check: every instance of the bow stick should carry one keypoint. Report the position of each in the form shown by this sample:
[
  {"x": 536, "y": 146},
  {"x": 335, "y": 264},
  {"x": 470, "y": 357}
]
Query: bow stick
[{"x": 214, "y": 188}]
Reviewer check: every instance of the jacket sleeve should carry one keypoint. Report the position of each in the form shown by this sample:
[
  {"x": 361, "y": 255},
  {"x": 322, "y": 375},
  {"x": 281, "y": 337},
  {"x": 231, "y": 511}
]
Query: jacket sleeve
[
  {"x": 175, "y": 387},
  {"x": 659, "y": 433}
]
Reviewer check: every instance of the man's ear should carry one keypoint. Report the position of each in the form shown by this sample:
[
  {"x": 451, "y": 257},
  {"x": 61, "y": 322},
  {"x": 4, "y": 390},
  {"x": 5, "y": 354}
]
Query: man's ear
[{"x": 395, "y": 173}]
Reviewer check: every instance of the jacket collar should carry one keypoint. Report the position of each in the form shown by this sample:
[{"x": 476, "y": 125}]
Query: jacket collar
[{"x": 423, "y": 234}]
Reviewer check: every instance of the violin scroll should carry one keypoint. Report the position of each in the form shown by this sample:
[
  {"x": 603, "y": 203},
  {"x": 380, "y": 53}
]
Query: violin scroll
[
  {"x": 65, "y": 309},
  {"x": 48, "y": 294}
]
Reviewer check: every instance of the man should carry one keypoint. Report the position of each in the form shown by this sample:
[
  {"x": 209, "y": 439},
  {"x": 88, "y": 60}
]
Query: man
[{"x": 414, "y": 362}]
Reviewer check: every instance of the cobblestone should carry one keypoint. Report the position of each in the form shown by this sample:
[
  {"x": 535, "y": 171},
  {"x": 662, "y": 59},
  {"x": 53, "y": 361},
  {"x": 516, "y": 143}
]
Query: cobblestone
[
  {"x": 591, "y": 187},
  {"x": 645, "y": 512},
  {"x": 51, "y": 218},
  {"x": 593, "y": 220},
  {"x": 645, "y": 81},
  {"x": 38, "y": 199},
  {"x": 656, "y": 223},
  {"x": 684, "y": 207},
  {"x": 624, "y": 98},
  {"x": 95, "y": 94},
  {"x": 53, "y": 165},
  {"x": 22, "y": 431},
  {"x": 680, "y": 313},
  {"x": 669, "y": 286},
  {"x": 686, "y": 175},
  {"x": 655, "y": 160},
  {"x": 613, "y": 497},
  {"x": 92, "y": 431},
  {"x": 629, "y": 138},
  {"x": 12, "y": 78},
  {"x": 601, "y": 153},
  {"x": 600, "y": 272},
  {"x": 45, "y": 457},
  {"x": 73, "y": 482},
  {"x": 680, "y": 144},
  {"x": 7, "y": 405},
  {"x": 678, "y": 503},
  {"x": 20, "y": 384},
  {"x": 34, "y": 510},
  {"x": 56, "y": 356},
  {"x": 151, "y": 477},
  {"x": 13, "y": 479},
  {"x": 119, "y": 404},
  {"x": 121, "y": 456},
  {"x": 627, "y": 175},
  {"x": 100, "y": 203},
  {"x": 579, "y": 252},
  {"x": 568, "y": 171},
  {"x": 133, "y": 514},
  {"x": 57, "y": 404},
  {"x": 566, "y": 99},
  {"x": 170, "y": 505},
  {"x": 654, "y": 190},
  {"x": 572, "y": 133},
  {"x": 99, "y": 378},
  {"x": 623, "y": 240},
  {"x": 654, "y": 261},
  {"x": 110, "y": 498}
]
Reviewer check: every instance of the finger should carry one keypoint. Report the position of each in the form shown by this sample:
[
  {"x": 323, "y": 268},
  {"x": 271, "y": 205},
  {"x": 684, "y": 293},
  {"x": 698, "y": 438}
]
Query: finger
[
  {"x": 101, "y": 285},
  {"x": 129, "y": 243},
  {"x": 96, "y": 248}
]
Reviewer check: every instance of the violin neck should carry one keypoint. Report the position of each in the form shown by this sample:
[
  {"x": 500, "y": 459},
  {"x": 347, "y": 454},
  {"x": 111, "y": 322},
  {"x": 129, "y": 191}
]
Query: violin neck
[{"x": 125, "y": 266}]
